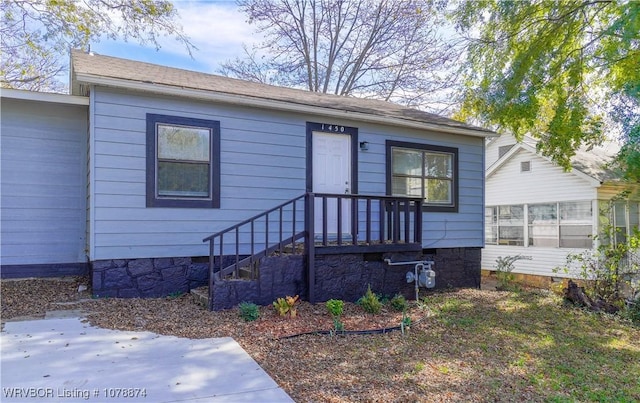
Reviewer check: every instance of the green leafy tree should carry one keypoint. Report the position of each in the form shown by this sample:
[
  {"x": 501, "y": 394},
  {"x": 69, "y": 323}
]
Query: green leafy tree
[
  {"x": 559, "y": 70},
  {"x": 383, "y": 49},
  {"x": 37, "y": 34}
]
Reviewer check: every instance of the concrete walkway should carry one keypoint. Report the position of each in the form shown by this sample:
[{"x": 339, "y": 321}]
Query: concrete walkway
[{"x": 67, "y": 360}]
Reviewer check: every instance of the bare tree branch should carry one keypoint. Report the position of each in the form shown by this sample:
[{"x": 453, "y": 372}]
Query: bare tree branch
[{"x": 385, "y": 49}]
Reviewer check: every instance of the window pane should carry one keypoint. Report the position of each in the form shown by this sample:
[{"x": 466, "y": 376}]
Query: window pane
[
  {"x": 575, "y": 236},
  {"x": 183, "y": 179},
  {"x": 543, "y": 236},
  {"x": 438, "y": 191},
  {"x": 438, "y": 165},
  {"x": 575, "y": 212},
  {"x": 620, "y": 219},
  {"x": 402, "y": 186},
  {"x": 491, "y": 226},
  {"x": 511, "y": 215},
  {"x": 542, "y": 214},
  {"x": 183, "y": 143},
  {"x": 634, "y": 215},
  {"x": 511, "y": 225},
  {"x": 543, "y": 225},
  {"x": 510, "y": 235},
  {"x": 407, "y": 162}
]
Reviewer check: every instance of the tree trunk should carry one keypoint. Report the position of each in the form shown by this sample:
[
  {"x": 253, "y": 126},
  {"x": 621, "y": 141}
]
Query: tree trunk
[{"x": 577, "y": 296}]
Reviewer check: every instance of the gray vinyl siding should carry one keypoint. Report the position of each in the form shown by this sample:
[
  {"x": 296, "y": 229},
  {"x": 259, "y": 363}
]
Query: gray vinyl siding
[
  {"x": 441, "y": 230},
  {"x": 43, "y": 182},
  {"x": 262, "y": 165}
]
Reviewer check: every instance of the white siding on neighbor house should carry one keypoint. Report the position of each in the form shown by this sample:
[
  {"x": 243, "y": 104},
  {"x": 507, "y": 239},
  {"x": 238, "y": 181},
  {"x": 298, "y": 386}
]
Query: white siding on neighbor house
[
  {"x": 543, "y": 262},
  {"x": 262, "y": 165},
  {"x": 43, "y": 164},
  {"x": 545, "y": 182},
  {"x": 495, "y": 143}
]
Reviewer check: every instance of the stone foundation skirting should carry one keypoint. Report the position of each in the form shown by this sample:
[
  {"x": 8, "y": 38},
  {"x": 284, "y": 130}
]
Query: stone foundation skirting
[
  {"x": 151, "y": 278},
  {"x": 347, "y": 277},
  {"x": 340, "y": 276}
]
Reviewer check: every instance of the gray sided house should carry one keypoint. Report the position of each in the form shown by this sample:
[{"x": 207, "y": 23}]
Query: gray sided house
[{"x": 167, "y": 179}]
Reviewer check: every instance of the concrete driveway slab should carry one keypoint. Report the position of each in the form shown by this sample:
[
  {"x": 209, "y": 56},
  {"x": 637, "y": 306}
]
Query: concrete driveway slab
[{"x": 67, "y": 360}]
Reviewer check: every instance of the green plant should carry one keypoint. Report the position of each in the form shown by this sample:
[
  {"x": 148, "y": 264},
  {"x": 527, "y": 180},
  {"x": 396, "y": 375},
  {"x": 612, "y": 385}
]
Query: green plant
[
  {"x": 338, "y": 326},
  {"x": 406, "y": 322},
  {"x": 504, "y": 272},
  {"x": 370, "y": 302},
  {"x": 335, "y": 307},
  {"x": 249, "y": 311},
  {"x": 286, "y": 306},
  {"x": 399, "y": 303},
  {"x": 632, "y": 312}
]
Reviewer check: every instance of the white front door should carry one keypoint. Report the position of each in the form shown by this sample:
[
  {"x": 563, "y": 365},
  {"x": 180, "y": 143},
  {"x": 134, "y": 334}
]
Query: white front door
[{"x": 332, "y": 174}]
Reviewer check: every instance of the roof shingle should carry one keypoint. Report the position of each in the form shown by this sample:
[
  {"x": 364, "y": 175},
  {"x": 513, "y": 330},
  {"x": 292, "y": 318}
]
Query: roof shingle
[{"x": 89, "y": 66}]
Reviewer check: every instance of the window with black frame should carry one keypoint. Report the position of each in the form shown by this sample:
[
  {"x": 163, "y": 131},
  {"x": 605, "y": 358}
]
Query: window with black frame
[
  {"x": 183, "y": 162},
  {"x": 424, "y": 171}
]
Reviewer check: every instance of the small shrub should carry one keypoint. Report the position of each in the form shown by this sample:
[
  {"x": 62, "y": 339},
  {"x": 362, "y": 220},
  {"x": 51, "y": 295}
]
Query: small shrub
[
  {"x": 286, "y": 306},
  {"x": 335, "y": 307},
  {"x": 406, "y": 323},
  {"x": 504, "y": 275},
  {"x": 399, "y": 303},
  {"x": 370, "y": 302},
  {"x": 249, "y": 311}
]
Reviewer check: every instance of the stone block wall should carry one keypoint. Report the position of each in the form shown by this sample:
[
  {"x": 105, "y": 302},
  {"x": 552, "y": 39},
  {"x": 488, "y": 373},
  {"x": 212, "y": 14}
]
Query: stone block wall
[
  {"x": 342, "y": 276},
  {"x": 151, "y": 278},
  {"x": 279, "y": 276},
  {"x": 347, "y": 277},
  {"x": 456, "y": 267}
]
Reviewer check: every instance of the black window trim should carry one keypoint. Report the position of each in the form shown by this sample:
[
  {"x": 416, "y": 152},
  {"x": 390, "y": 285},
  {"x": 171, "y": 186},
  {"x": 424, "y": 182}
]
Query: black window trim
[
  {"x": 153, "y": 200},
  {"x": 390, "y": 144}
]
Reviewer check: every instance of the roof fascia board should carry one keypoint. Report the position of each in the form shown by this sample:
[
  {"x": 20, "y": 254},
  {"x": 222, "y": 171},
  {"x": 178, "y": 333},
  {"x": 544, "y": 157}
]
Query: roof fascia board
[
  {"x": 44, "y": 97},
  {"x": 523, "y": 146},
  {"x": 272, "y": 104}
]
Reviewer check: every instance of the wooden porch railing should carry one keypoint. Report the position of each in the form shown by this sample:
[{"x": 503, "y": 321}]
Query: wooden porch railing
[
  {"x": 349, "y": 223},
  {"x": 361, "y": 220}
]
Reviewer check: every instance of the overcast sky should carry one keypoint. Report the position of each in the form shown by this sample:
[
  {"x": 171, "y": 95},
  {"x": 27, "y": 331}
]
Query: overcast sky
[{"x": 216, "y": 27}]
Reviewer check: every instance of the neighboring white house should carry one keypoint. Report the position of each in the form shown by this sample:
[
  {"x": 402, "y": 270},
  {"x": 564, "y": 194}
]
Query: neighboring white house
[{"x": 535, "y": 208}]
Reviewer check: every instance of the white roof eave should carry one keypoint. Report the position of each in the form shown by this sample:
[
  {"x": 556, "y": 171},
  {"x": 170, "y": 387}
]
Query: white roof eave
[{"x": 44, "y": 97}]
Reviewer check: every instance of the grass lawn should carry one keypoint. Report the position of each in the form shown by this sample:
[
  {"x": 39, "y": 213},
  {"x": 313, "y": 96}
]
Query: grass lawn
[{"x": 520, "y": 345}]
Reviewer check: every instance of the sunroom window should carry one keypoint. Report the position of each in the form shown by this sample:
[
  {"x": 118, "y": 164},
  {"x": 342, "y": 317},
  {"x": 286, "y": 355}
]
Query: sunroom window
[
  {"x": 551, "y": 225},
  {"x": 511, "y": 225},
  {"x": 182, "y": 162},
  {"x": 576, "y": 225},
  {"x": 543, "y": 225}
]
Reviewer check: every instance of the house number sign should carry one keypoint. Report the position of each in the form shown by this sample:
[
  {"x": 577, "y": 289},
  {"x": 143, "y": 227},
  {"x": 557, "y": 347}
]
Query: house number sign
[{"x": 332, "y": 128}]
